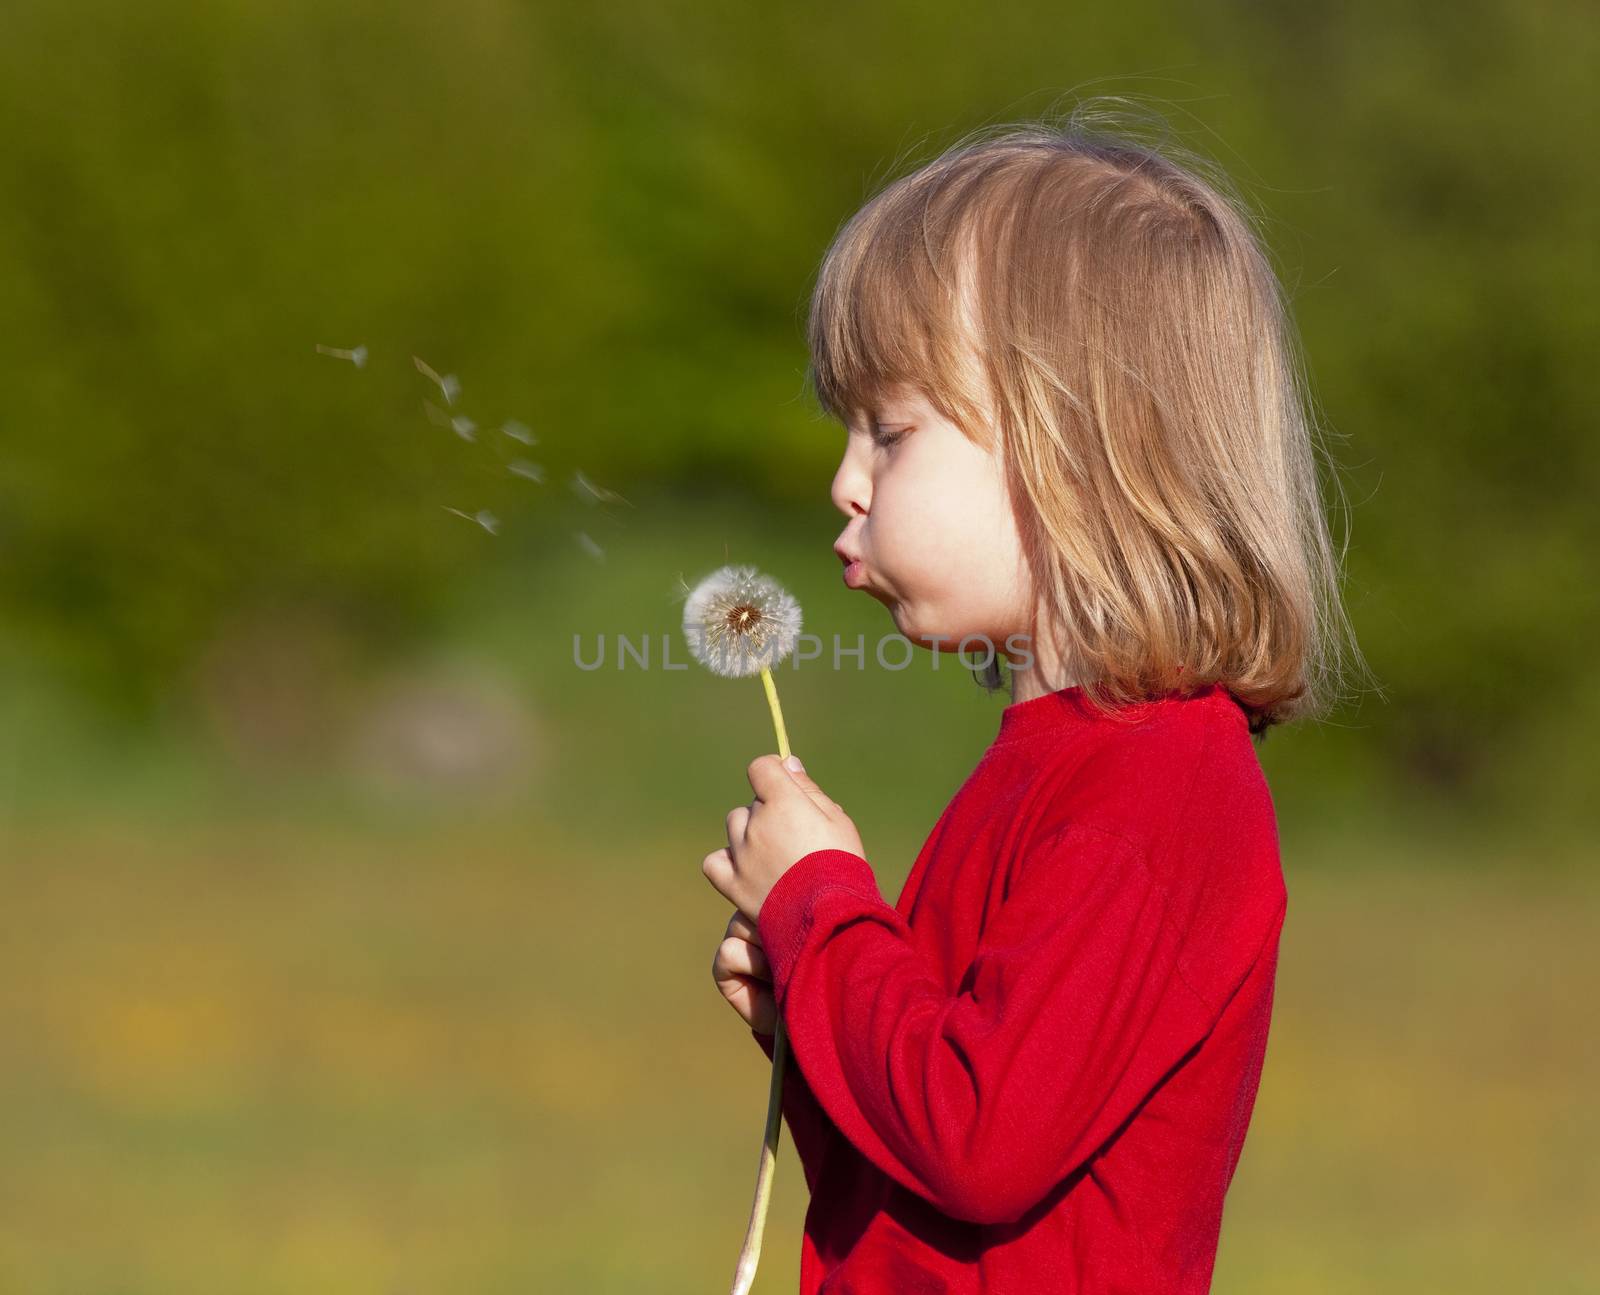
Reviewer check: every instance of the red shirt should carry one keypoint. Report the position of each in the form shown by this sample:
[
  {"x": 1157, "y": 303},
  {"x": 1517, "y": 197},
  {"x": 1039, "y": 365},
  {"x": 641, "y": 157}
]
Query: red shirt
[{"x": 1035, "y": 1071}]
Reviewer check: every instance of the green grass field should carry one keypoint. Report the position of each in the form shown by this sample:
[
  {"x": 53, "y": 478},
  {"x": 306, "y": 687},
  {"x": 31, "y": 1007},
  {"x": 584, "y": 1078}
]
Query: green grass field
[{"x": 257, "y": 1056}]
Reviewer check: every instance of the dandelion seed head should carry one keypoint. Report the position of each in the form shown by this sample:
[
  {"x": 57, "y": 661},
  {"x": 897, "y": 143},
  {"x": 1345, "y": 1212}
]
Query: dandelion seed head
[
  {"x": 464, "y": 427},
  {"x": 523, "y": 468},
  {"x": 358, "y": 357},
  {"x": 591, "y": 547},
  {"x": 739, "y": 622},
  {"x": 518, "y": 431}
]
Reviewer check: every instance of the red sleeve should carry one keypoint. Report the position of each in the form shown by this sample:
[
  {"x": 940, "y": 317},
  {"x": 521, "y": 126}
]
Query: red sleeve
[
  {"x": 808, "y": 1125},
  {"x": 1070, "y": 1015}
]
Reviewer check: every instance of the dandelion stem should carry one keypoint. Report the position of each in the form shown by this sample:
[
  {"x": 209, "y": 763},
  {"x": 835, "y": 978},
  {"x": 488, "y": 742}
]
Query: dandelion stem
[
  {"x": 750, "y": 1255},
  {"x": 777, "y": 712}
]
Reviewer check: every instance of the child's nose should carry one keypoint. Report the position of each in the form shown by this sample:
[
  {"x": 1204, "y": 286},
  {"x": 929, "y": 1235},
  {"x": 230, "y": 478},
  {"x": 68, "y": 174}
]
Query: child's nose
[{"x": 851, "y": 488}]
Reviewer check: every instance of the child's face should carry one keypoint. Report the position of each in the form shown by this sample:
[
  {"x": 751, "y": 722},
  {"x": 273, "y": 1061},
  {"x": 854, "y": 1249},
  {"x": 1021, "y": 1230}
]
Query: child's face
[{"x": 931, "y": 524}]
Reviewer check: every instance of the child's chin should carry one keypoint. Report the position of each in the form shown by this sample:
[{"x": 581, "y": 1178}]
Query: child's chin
[
  {"x": 904, "y": 621},
  {"x": 892, "y": 604},
  {"x": 919, "y": 633}
]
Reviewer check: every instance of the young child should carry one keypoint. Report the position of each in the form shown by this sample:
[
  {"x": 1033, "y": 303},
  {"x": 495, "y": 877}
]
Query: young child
[{"x": 1076, "y": 430}]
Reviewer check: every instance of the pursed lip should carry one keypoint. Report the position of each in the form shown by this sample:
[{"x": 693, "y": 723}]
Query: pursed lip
[{"x": 854, "y": 568}]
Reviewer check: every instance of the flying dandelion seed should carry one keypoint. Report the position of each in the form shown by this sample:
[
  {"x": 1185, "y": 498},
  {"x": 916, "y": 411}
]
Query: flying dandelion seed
[
  {"x": 464, "y": 427},
  {"x": 357, "y": 355},
  {"x": 518, "y": 431},
  {"x": 590, "y": 547},
  {"x": 448, "y": 384},
  {"x": 483, "y": 517},
  {"x": 436, "y": 416},
  {"x": 522, "y": 468},
  {"x": 593, "y": 494}
]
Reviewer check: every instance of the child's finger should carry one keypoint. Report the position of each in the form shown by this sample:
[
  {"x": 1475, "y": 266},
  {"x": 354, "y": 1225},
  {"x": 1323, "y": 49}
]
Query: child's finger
[
  {"x": 736, "y": 822},
  {"x": 743, "y": 927},
  {"x": 763, "y": 1011},
  {"x": 753, "y": 1001},
  {"x": 804, "y": 781},
  {"x": 738, "y": 957}
]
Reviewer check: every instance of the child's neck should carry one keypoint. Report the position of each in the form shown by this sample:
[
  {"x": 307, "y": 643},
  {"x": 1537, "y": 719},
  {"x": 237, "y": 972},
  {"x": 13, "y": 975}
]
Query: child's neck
[
  {"x": 1045, "y": 675},
  {"x": 1026, "y": 685},
  {"x": 1045, "y": 672}
]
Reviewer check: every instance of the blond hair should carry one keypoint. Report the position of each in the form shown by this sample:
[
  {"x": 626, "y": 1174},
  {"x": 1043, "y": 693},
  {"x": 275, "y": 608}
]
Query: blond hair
[{"x": 1111, "y": 315}]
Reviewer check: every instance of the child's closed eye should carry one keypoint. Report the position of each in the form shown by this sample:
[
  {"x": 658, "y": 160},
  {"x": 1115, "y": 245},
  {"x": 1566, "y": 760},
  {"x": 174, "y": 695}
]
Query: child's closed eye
[{"x": 885, "y": 436}]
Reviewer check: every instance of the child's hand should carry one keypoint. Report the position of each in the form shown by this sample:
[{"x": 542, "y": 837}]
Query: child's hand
[
  {"x": 789, "y": 819},
  {"x": 742, "y": 974}
]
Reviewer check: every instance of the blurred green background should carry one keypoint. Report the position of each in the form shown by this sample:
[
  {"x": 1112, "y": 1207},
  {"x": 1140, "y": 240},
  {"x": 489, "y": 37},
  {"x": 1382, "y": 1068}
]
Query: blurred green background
[{"x": 354, "y": 939}]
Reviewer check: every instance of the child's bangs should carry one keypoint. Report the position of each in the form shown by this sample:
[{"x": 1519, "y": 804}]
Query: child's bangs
[{"x": 881, "y": 316}]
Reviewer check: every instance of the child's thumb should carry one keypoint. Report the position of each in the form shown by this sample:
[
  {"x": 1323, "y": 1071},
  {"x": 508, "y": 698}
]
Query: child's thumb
[{"x": 797, "y": 771}]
